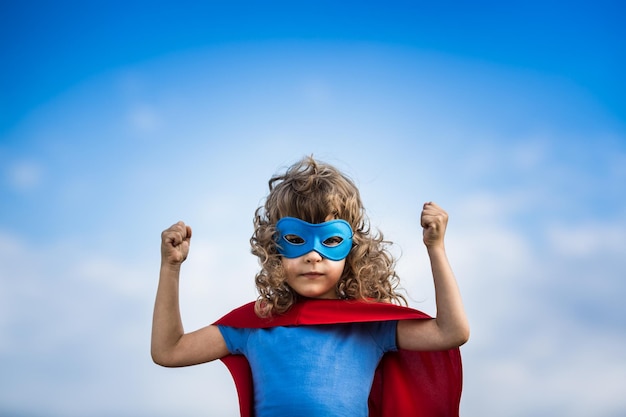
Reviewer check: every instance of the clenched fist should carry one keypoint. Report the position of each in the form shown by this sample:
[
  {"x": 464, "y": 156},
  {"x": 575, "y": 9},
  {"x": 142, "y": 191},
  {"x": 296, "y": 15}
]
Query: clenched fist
[
  {"x": 175, "y": 244},
  {"x": 434, "y": 220}
]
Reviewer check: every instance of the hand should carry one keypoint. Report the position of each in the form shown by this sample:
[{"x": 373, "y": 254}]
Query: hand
[
  {"x": 434, "y": 220},
  {"x": 175, "y": 244}
]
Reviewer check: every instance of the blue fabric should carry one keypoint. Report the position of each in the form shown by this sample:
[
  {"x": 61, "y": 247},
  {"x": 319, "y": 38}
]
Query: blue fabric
[
  {"x": 314, "y": 237},
  {"x": 306, "y": 371}
]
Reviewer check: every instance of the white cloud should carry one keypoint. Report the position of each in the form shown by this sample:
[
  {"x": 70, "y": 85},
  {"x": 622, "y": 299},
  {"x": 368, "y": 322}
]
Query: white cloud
[
  {"x": 77, "y": 323},
  {"x": 25, "y": 175},
  {"x": 546, "y": 314},
  {"x": 590, "y": 239},
  {"x": 559, "y": 367},
  {"x": 144, "y": 118}
]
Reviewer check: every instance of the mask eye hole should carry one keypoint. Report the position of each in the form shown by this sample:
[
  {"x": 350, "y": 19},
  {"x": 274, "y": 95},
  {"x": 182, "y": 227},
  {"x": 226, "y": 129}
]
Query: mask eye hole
[
  {"x": 333, "y": 241},
  {"x": 294, "y": 239}
]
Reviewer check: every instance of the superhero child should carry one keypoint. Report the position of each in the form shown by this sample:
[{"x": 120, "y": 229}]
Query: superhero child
[{"x": 329, "y": 334}]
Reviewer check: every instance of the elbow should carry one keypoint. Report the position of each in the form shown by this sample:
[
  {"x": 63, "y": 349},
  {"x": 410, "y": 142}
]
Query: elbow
[
  {"x": 158, "y": 359},
  {"x": 457, "y": 338},
  {"x": 162, "y": 359},
  {"x": 462, "y": 336}
]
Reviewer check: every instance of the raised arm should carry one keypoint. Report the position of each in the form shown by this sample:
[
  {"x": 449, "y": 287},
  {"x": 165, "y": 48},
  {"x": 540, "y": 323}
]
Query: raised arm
[
  {"x": 171, "y": 346},
  {"x": 450, "y": 327}
]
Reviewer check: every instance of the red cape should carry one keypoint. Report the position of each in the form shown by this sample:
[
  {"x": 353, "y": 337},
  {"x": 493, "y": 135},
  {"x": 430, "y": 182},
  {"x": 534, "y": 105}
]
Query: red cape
[{"x": 406, "y": 383}]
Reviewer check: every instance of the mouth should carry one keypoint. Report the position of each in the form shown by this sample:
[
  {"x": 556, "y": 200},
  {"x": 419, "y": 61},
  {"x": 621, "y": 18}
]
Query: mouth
[{"x": 312, "y": 275}]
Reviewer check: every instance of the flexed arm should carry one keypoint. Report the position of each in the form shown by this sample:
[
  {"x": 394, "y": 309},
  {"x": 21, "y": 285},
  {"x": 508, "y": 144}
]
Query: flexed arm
[
  {"x": 170, "y": 345},
  {"x": 450, "y": 328}
]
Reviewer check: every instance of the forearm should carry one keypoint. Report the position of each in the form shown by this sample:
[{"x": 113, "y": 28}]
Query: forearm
[
  {"x": 451, "y": 319},
  {"x": 167, "y": 326}
]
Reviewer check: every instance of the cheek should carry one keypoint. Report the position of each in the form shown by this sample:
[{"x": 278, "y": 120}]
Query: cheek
[
  {"x": 287, "y": 265},
  {"x": 340, "y": 266}
]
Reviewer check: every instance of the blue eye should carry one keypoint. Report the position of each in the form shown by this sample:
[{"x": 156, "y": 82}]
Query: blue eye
[{"x": 294, "y": 239}]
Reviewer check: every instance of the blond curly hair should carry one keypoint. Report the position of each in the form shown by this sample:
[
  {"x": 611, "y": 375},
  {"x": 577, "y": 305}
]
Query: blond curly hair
[{"x": 312, "y": 191}]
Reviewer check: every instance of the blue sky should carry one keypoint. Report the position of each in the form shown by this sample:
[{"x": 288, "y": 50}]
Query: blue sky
[{"x": 118, "y": 119}]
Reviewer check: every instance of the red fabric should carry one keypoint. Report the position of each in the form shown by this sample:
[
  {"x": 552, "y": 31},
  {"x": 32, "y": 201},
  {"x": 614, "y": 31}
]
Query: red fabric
[{"x": 406, "y": 383}]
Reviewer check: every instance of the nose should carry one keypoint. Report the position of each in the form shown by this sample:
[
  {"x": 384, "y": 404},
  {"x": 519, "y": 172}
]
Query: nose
[{"x": 312, "y": 256}]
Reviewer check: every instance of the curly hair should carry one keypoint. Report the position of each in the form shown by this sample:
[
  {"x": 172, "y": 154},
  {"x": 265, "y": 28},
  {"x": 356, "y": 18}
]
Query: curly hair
[{"x": 312, "y": 191}]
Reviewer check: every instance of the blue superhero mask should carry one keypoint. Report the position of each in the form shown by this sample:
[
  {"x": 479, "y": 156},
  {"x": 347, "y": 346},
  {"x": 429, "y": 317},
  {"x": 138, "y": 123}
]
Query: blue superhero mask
[{"x": 331, "y": 239}]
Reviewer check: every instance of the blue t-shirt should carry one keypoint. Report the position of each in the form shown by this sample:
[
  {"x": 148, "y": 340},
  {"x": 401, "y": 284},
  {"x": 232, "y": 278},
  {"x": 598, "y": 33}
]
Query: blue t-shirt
[{"x": 321, "y": 370}]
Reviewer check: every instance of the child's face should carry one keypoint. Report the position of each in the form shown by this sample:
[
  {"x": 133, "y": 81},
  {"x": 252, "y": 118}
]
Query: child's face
[{"x": 312, "y": 275}]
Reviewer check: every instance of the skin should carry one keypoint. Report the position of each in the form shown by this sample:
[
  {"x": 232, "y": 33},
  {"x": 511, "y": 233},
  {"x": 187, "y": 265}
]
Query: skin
[
  {"x": 311, "y": 276},
  {"x": 450, "y": 328}
]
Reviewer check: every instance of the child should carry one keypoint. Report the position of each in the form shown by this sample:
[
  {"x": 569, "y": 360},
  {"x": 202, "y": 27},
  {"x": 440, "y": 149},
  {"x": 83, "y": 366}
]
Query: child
[{"x": 326, "y": 337}]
